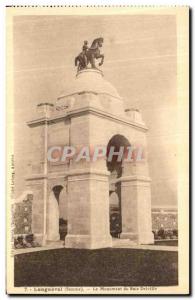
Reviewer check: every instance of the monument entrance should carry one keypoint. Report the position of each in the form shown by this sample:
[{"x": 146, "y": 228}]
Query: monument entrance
[{"x": 115, "y": 166}]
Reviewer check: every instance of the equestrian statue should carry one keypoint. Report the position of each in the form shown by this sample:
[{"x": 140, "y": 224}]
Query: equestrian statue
[{"x": 88, "y": 55}]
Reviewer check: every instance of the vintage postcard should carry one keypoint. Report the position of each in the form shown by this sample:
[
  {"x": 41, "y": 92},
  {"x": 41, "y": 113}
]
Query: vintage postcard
[{"x": 97, "y": 150}]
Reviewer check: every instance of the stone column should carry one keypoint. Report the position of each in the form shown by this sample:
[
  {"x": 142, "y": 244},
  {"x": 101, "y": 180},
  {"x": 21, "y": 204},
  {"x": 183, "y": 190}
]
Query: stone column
[
  {"x": 88, "y": 210},
  {"x": 88, "y": 192},
  {"x": 37, "y": 180},
  {"x": 136, "y": 203},
  {"x": 52, "y": 229}
]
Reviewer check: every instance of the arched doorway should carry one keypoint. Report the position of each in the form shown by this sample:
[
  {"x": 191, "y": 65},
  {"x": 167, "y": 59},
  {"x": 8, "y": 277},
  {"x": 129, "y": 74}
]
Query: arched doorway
[
  {"x": 119, "y": 144},
  {"x": 57, "y": 214}
]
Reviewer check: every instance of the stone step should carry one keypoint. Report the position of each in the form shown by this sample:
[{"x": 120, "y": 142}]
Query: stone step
[
  {"x": 122, "y": 242},
  {"x": 55, "y": 243}
]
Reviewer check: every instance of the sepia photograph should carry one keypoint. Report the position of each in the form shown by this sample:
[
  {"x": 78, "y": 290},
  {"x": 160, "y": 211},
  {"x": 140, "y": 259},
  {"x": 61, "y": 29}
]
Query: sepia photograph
[{"x": 98, "y": 149}]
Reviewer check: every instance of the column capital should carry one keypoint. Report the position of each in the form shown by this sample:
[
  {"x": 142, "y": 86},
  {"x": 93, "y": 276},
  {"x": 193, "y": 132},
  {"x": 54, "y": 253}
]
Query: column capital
[{"x": 135, "y": 178}]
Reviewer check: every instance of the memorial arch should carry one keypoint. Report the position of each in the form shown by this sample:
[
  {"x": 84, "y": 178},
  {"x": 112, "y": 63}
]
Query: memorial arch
[{"x": 89, "y": 112}]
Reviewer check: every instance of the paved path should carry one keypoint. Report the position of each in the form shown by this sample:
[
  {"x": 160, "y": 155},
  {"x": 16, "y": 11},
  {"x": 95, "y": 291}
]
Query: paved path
[
  {"x": 29, "y": 250},
  {"x": 144, "y": 247},
  {"x": 116, "y": 243}
]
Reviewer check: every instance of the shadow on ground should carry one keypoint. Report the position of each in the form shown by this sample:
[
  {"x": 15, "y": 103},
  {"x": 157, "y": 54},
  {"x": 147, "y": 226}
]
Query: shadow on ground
[{"x": 103, "y": 267}]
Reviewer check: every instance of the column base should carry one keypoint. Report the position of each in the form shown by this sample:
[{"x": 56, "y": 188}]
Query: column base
[
  {"x": 40, "y": 238},
  {"x": 53, "y": 238},
  {"x": 146, "y": 238},
  {"x": 87, "y": 242},
  {"x": 43, "y": 240},
  {"x": 129, "y": 235}
]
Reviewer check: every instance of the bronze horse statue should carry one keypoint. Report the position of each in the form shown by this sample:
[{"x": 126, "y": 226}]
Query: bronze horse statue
[{"x": 88, "y": 55}]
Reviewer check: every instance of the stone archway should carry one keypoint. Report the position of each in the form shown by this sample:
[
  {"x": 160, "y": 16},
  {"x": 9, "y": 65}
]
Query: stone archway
[
  {"x": 55, "y": 212},
  {"x": 119, "y": 144}
]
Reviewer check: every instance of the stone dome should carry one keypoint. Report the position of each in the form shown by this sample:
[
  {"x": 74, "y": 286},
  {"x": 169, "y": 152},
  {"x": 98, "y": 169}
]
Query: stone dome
[{"x": 90, "y": 80}]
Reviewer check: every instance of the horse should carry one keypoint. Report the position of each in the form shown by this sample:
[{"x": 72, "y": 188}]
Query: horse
[
  {"x": 80, "y": 62},
  {"x": 90, "y": 55}
]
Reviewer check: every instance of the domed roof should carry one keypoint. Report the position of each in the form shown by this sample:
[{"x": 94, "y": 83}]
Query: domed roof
[{"x": 90, "y": 80}]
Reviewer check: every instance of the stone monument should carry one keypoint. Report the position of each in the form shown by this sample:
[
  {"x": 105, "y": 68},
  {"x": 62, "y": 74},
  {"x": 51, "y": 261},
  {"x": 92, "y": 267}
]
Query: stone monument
[{"x": 89, "y": 112}]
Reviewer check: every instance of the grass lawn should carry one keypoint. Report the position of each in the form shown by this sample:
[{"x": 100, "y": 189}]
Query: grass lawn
[{"x": 102, "y": 267}]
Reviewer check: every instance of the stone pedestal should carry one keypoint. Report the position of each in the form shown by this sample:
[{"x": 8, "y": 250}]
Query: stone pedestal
[{"x": 88, "y": 210}]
